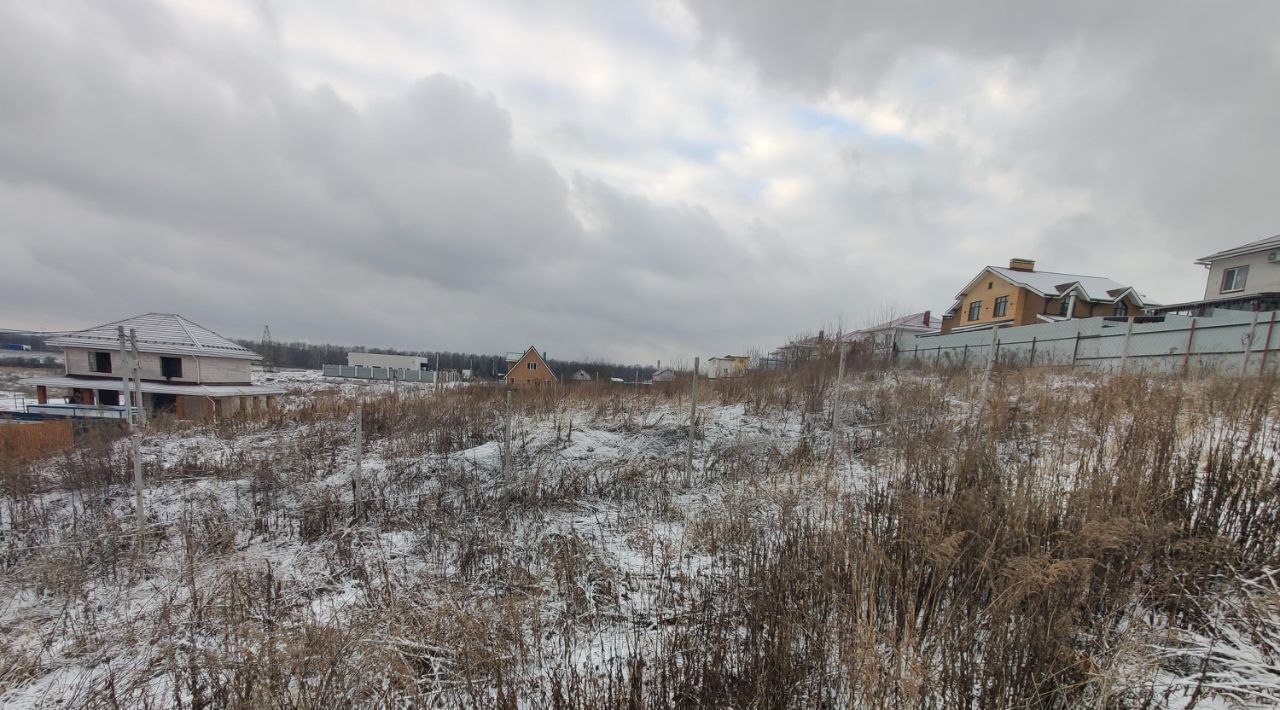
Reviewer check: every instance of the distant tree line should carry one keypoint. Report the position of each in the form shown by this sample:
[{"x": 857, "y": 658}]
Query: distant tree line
[{"x": 311, "y": 356}]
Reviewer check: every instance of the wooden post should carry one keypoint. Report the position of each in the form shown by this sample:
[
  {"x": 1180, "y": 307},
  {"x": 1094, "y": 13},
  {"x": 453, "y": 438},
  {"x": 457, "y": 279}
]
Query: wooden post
[
  {"x": 1248, "y": 348},
  {"x": 1075, "y": 349},
  {"x": 835, "y": 406},
  {"x": 506, "y": 440},
  {"x": 437, "y": 373},
  {"x": 693, "y": 422},
  {"x": 1186, "y": 355},
  {"x": 356, "y": 475},
  {"x": 1031, "y": 362},
  {"x": 964, "y": 357},
  {"x": 1266, "y": 346}
]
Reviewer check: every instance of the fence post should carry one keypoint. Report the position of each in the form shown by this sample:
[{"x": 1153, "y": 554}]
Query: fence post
[
  {"x": 1031, "y": 362},
  {"x": 1075, "y": 349},
  {"x": 1186, "y": 356},
  {"x": 506, "y": 440},
  {"x": 1124, "y": 357},
  {"x": 356, "y": 474},
  {"x": 835, "y": 407},
  {"x": 995, "y": 346},
  {"x": 1266, "y": 346},
  {"x": 693, "y": 422},
  {"x": 964, "y": 357},
  {"x": 1248, "y": 348}
]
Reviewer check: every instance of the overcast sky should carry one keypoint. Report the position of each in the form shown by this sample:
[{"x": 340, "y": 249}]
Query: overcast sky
[{"x": 624, "y": 181}]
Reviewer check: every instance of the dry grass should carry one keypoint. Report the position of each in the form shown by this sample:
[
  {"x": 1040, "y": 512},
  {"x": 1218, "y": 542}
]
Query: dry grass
[{"x": 1063, "y": 542}]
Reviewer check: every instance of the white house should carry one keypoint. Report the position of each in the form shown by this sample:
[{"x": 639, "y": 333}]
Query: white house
[
  {"x": 580, "y": 376},
  {"x": 727, "y": 366},
  {"x": 663, "y": 374},
  {"x": 1243, "y": 278},
  {"x": 186, "y": 370},
  {"x": 881, "y": 338}
]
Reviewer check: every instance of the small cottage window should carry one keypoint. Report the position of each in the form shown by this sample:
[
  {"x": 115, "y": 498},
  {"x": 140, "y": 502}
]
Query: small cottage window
[
  {"x": 170, "y": 367},
  {"x": 1064, "y": 309},
  {"x": 1233, "y": 279},
  {"x": 99, "y": 362},
  {"x": 1002, "y": 307},
  {"x": 531, "y": 366},
  {"x": 1121, "y": 310},
  {"x": 975, "y": 310}
]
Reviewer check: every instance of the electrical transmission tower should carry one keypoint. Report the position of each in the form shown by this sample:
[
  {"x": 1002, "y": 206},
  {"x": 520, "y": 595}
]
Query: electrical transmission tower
[{"x": 267, "y": 364}]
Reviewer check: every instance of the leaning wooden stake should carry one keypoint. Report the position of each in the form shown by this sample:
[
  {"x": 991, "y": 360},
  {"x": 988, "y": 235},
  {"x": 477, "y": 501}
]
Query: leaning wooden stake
[
  {"x": 693, "y": 422},
  {"x": 835, "y": 407},
  {"x": 356, "y": 475},
  {"x": 506, "y": 440}
]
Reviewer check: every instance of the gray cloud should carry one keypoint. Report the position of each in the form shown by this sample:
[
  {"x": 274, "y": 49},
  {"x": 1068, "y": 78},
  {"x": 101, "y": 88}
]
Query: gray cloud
[
  {"x": 150, "y": 169},
  {"x": 1152, "y": 122}
]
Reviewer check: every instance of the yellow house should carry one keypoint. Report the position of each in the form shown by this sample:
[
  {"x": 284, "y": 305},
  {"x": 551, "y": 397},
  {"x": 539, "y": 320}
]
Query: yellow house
[{"x": 1020, "y": 295}]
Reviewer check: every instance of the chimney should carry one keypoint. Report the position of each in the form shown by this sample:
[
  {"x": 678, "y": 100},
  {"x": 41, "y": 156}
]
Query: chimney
[
  {"x": 926, "y": 319},
  {"x": 1022, "y": 264}
]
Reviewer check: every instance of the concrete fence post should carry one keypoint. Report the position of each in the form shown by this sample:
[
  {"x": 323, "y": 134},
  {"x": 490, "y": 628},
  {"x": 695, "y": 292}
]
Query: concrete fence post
[
  {"x": 1186, "y": 354},
  {"x": 1124, "y": 357},
  {"x": 1266, "y": 345},
  {"x": 1248, "y": 345}
]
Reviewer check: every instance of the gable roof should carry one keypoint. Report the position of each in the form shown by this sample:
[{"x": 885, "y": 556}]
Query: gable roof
[
  {"x": 158, "y": 333},
  {"x": 525, "y": 355},
  {"x": 1052, "y": 284},
  {"x": 1260, "y": 245},
  {"x": 915, "y": 320}
]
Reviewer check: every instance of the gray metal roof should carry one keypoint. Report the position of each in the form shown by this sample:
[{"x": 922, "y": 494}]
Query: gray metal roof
[
  {"x": 166, "y": 333},
  {"x": 1260, "y": 245}
]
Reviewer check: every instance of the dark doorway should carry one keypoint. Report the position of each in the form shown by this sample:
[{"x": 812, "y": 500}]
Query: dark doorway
[
  {"x": 164, "y": 403},
  {"x": 109, "y": 397}
]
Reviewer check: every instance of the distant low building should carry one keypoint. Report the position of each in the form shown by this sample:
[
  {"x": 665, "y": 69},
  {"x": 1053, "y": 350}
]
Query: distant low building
[
  {"x": 880, "y": 339},
  {"x": 529, "y": 370},
  {"x": 580, "y": 376},
  {"x": 391, "y": 362},
  {"x": 664, "y": 374},
  {"x": 187, "y": 371}
]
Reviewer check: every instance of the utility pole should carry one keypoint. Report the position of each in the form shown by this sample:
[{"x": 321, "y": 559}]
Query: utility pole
[
  {"x": 137, "y": 375},
  {"x": 129, "y": 368},
  {"x": 693, "y": 423},
  {"x": 267, "y": 363},
  {"x": 356, "y": 482},
  {"x": 125, "y": 372},
  {"x": 437, "y": 373}
]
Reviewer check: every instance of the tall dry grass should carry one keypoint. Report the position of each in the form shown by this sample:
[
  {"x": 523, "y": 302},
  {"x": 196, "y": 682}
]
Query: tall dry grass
[{"x": 1042, "y": 541}]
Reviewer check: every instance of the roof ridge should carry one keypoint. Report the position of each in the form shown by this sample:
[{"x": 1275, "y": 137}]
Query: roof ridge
[{"x": 183, "y": 323}]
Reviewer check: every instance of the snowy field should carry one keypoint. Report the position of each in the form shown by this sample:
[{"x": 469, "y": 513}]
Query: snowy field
[{"x": 596, "y": 569}]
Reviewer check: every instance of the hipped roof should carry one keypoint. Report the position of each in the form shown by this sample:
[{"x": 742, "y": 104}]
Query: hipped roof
[{"x": 165, "y": 333}]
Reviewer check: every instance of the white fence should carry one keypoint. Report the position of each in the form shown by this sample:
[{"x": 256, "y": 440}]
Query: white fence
[
  {"x": 365, "y": 372},
  {"x": 1228, "y": 342}
]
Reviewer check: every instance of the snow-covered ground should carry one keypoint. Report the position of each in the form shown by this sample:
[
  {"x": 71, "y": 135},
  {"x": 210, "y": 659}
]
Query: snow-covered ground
[{"x": 589, "y": 547}]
